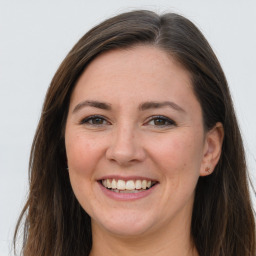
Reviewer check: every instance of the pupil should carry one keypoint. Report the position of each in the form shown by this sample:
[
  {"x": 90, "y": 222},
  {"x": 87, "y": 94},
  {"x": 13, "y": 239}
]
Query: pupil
[
  {"x": 159, "y": 122},
  {"x": 97, "y": 121}
]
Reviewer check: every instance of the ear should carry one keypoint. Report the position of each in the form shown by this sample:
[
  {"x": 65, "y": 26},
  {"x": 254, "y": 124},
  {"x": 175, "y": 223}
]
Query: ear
[{"x": 212, "y": 149}]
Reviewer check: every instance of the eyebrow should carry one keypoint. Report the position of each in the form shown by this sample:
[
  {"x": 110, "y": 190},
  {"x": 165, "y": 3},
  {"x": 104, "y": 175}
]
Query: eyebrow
[
  {"x": 92, "y": 103},
  {"x": 153, "y": 104},
  {"x": 144, "y": 106}
]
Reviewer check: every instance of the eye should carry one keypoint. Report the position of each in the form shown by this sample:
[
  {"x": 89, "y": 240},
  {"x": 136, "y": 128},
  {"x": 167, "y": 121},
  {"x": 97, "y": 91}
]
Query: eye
[
  {"x": 95, "y": 120},
  {"x": 160, "y": 121}
]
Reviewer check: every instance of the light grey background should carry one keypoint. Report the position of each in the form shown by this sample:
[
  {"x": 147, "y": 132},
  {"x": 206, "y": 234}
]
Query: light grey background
[{"x": 36, "y": 35}]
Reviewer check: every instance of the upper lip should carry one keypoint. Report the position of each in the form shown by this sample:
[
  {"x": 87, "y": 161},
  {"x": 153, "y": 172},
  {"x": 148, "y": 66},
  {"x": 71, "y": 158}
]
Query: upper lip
[{"x": 126, "y": 178}]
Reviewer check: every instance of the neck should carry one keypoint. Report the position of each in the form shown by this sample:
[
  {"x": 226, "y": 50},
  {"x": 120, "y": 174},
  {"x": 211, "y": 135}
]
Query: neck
[{"x": 175, "y": 241}]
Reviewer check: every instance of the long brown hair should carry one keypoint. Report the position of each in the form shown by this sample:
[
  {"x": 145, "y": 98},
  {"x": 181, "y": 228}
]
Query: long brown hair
[{"x": 223, "y": 220}]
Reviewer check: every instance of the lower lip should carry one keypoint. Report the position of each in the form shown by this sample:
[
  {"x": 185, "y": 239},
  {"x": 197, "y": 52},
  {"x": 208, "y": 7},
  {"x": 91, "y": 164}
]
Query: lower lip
[{"x": 126, "y": 196}]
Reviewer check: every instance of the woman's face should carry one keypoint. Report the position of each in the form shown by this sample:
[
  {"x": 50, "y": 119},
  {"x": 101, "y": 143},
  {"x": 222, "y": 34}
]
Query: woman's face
[{"x": 135, "y": 126}]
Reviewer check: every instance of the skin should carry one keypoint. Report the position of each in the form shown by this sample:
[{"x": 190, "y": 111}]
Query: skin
[{"x": 129, "y": 141}]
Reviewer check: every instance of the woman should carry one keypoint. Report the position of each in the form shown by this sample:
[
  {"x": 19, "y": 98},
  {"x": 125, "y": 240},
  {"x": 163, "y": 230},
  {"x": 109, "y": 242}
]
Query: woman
[{"x": 138, "y": 151}]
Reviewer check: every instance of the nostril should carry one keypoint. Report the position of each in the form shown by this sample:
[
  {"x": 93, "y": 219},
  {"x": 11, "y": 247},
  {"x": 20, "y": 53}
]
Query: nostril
[
  {"x": 125, "y": 154},
  {"x": 122, "y": 155}
]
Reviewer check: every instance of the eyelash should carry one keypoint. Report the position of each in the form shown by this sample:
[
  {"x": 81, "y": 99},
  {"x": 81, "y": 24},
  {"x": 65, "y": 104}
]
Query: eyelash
[
  {"x": 168, "y": 121},
  {"x": 89, "y": 120}
]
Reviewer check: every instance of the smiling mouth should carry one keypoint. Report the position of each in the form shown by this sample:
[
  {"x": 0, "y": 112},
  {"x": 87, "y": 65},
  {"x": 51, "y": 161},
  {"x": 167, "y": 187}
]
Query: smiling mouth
[{"x": 129, "y": 186}]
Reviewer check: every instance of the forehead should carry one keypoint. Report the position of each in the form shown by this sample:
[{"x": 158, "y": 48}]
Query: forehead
[
  {"x": 138, "y": 73},
  {"x": 144, "y": 59}
]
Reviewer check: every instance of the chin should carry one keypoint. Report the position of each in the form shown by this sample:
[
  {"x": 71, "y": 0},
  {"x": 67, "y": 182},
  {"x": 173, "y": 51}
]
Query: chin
[
  {"x": 124, "y": 225},
  {"x": 125, "y": 230}
]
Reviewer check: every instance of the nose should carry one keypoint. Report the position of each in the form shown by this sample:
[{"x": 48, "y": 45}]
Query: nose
[{"x": 125, "y": 147}]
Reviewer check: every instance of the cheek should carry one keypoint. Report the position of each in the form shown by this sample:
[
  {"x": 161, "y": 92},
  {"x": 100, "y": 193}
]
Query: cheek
[
  {"x": 82, "y": 154},
  {"x": 179, "y": 154}
]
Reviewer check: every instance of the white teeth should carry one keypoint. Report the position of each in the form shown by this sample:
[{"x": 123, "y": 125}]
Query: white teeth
[
  {"x": 104, "y": 183},
  {"x": 129, "y": 191},
  {"x": 108, "y": 184},
  {"x": 144, "y": 184},
  {"x": 113, "y": 184},
  {"x": 138, "y": 184},
  {"x": 120, "y": 185},
  {"x": 130, "y": 186}
]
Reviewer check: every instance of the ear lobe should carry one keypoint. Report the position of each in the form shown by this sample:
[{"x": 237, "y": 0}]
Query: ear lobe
[{"x": 212, "y": 150}]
